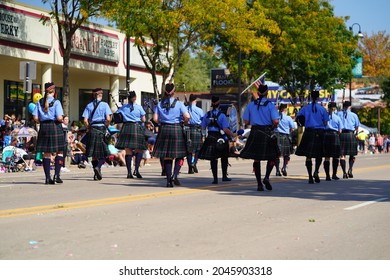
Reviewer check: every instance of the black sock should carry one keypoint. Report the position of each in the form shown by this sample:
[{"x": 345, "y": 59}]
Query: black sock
[
  {"x": 335, "y": 165},
  {"x": 168, "y": 169},
  {"x": 342, "y": 163},
  {"x": 178, "y": 164},
  {"x": 257, "y": 169},
  {"x": 351, "y": 162},
  {"x": 270, "y": 166},
  {"x": 286, "y": 160},
  {"x": 327, "y": 167},
  {"x": 100, "y": 163},
  {"x": 58, "y": 162},
  {"x": 214, "y": 168},
  {"x": 224, "y": 165},
  {"x": 309, "y": 167},
  {"x": 46, "y": 167},
  {"x": 277, "y": 164},
  {"x": 128, "y": 159},
  {"x": 138, "y": 159},
  {"x": 318, "y": 164}
]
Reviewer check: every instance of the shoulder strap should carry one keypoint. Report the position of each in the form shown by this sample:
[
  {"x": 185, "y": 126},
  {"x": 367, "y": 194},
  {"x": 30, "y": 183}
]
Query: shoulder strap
[
  {"x": 173, "y": 103},
  {"x": 94, "y": 109}
]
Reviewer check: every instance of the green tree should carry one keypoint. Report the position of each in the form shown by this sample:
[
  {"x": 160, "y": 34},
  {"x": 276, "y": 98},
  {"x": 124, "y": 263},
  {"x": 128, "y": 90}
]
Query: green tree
[
  {"x": 68, "y": 16},
  {"x": 385, "y": 85},
  {"x": 165, "y": 30}
]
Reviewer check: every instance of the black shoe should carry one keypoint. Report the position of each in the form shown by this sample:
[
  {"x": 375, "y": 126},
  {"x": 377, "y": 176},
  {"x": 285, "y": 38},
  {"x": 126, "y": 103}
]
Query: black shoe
[
  {"x": 170, "y": 184},
  {"x": 82, "y": 165},
  {"x": 98, "y": 173},
  {"x": 138, "y": 175},
  {"x": 328, "y": 178},
  {"x": 57, "y": 179},
  {"x": 130, "y": 176},
  {"x": 334, "y": 177},
  {"x": 311, "y": 181},
  {"x": 176, "y": 181},
  {"x": 350, "y": 175},
  {"x": 215, "y": 182},
  {"x": 134, "y": 173},
  {"x": 267, "y": 184},
  {"x": 260, "y": 187},
  {"x": 284, "y": 172},
  {"x": 316, "y": 177},
  {"x": 191, "y": 170},
  {"x": 226, "y": 179},
  {"x": 49, "y": 182},
  {"x": 195, "y": 168},
  {"x": 94, "y": 178},
  {"x": 163, "y": 173},
  {"x": 345, "y": 176},
  {"x": 278, "y": 173}
]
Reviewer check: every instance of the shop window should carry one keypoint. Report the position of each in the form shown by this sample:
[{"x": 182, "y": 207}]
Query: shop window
[{"x": 148, "y": 102}]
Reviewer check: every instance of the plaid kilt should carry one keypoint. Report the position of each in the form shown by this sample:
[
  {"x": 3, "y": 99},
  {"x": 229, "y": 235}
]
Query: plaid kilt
[
  {"x": 260, "y": 145},
  {"x": 348, "y": 144},
  {"x": 284, "y": 144},
  {"x": 170, "y": 142},
  {"x": 196, "y": 138},
  {"x": 311, "y": 145},
  {"x": 96, "y": 147},
  {"x": 50, "y": 137},
  {"x": 131, "y": 136},
  {"x": 209, "y": 150},
  {"x": 332, "y": 144}
]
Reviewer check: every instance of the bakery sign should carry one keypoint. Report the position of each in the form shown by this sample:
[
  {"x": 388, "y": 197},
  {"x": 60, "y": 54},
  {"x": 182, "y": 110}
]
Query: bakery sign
[
  {"x": 23, "y": 27},
  {"x": 96, "y": 44}
]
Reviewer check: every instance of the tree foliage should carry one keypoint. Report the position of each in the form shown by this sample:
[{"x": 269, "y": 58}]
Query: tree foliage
[
  {"x": 376, "y": 54},
  {"x": 165, "y": 30},
  {"x": 68, "y": 16}
]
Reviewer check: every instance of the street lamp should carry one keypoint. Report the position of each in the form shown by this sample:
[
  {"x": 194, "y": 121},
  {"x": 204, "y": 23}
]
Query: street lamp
[{"x": 360, "y": 35}]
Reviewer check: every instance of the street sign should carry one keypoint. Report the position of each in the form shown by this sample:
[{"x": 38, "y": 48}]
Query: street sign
[
  {"x": 28, "y": 69},
  {"x": 27, "y": 85}
]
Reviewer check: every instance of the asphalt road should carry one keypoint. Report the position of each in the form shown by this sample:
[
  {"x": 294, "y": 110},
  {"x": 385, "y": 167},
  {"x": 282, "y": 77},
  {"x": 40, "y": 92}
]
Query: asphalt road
[{"x": 140, "y": 219}]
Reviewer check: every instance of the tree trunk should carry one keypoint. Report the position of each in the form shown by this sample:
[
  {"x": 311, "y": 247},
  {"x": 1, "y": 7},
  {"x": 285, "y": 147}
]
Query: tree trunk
[{"x": 65, "y": 82}]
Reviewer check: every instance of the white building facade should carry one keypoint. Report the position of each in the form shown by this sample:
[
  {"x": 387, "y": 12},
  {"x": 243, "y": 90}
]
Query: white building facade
[{"x": 98, "y": 60}]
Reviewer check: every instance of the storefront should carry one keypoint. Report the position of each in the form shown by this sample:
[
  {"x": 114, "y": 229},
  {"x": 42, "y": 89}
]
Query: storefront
[{"x": 98, "y": 60}]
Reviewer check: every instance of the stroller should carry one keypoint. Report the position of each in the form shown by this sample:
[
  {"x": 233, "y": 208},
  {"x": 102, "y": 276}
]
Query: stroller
[{"x": 10, "y": 161}]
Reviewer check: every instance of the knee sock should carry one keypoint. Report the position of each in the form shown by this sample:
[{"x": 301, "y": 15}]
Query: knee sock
[
  {"x": 351, "y": 162},
  {"x": 335, "y": 165},
  {"x": 46, "y": 167},
  {"x": 214, "y": 168},
  {"x": 270, "y": 166},
  {"x": 286, "y": 160},
  {"x": 100, "y": 163},
  {"x": 342, "y": 163},
  {"x": 189, "y": 160},
  {"x": 128, "y": 159},
  {"x": 257, "y": 169},
  {"x": 318, "y": 164},
  {"x": 309, "y": 167},
  {"x": 327, "y": 167},
  {"x": 95, "y": 163},
  {"x": 277, "y": 164},
  {"x": 224, "y": 165},
  {"x": 138, "y": 159},
  {"x": 58, "y": 162},
  {"x": 168, "y": 169},
  {"x": 178, "y": 164}
]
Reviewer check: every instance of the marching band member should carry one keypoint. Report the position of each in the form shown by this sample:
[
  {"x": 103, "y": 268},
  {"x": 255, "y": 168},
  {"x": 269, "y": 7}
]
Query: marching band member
[{"x": 263, "y": 117}]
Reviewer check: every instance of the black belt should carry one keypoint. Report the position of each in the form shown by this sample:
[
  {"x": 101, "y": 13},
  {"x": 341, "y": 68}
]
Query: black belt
[
  {"x": 101, "y": 122},
  {"x": 170, "y": 123},
  {"x": 48, "y": 121},
  {"x": 331, "y": 131},
  {"x": 194, "y": 125},
  {"x": 129, "y": 122},
  {"x": 347, "y": 131}
]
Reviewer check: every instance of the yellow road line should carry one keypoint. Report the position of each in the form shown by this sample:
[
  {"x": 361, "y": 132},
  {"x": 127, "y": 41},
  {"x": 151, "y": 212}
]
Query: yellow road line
[
  {"x": 109, "y": 201},
  {"x": 139, "y": 197}
]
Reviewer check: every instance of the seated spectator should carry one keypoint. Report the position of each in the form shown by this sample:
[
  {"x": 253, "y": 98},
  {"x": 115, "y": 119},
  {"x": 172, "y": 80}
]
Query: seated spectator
[
  {"x": 22, "y": 157},
  {"x": 117, "y": 156}
]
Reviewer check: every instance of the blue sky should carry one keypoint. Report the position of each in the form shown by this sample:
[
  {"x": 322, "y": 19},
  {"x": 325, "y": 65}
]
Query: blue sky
[{"x": 372, "y": 15}]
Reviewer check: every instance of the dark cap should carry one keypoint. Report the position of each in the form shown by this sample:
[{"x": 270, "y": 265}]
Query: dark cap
[
  {"x": 169, "y": 89},
  {"x": 315, "y": 94},
  {"x": 132, "y": 94},
  {"x": 214, "y": 99},
  {"x": 347, "y": 104},
  {"x": 332, "y": 105},
  {"x": 193, "y": 97},
  {"x": 262, "y": 89},
  {"x": 97, "y": 91},
  {"x": 49, "y": 86},
  {"x": 282, "y": 106}
]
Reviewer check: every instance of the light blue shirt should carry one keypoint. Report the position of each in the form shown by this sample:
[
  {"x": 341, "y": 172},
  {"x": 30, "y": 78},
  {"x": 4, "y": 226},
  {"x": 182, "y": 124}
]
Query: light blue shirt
[
  {"x": 170, "y": 115},
  {"x": 209, "y": 117},
  {"x": 258, "y": 114},
  {"x": 315, "y": 116},
  {"x": 99, "y": 117},
  {"x": 334, "y": 122},
  {"x": 132, "y": 112},
  {"x": 196, "y": 114},
  {"x": 286, "y": 123},
  {"x": 349, "y": 119},
  {"x": 53, "y": 112}
]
